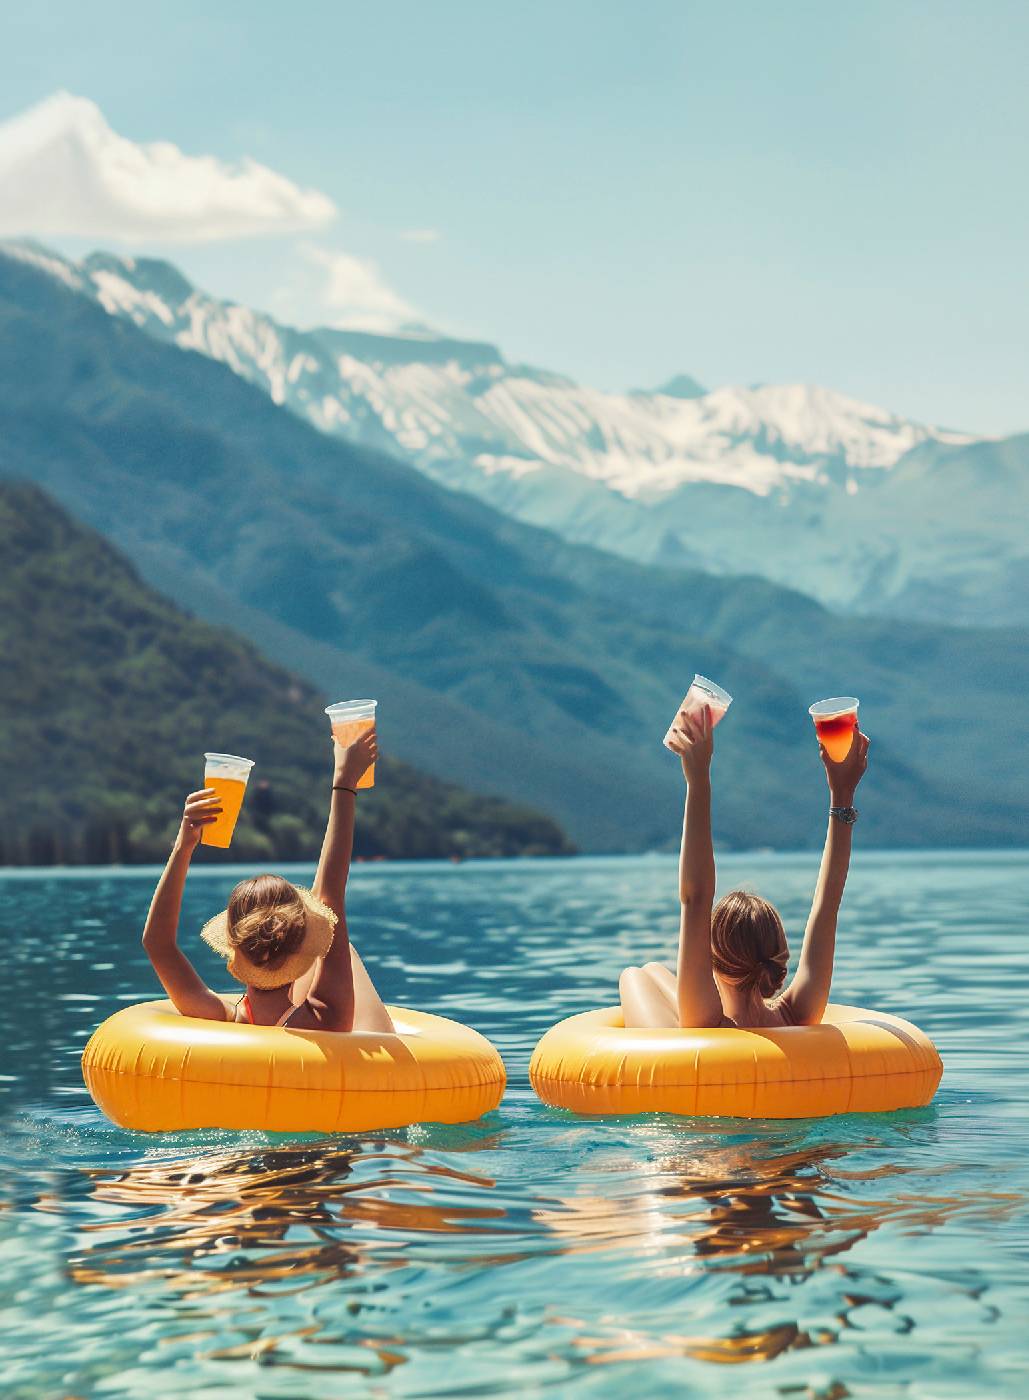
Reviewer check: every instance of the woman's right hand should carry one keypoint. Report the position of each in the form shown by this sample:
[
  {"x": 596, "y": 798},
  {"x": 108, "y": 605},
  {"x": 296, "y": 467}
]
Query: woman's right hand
[
  {"x": 201, "y": 809},
  {"x": 353, "y": 760},
  {"x": 691, "y": 737},
  {"x": 843, "y": 777}
]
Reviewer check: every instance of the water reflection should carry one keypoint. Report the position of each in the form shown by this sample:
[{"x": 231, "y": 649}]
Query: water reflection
[
  {"x": 534, "y": 1251},
  {"x": 755, "y": 1212},
  {"x": 321, "y": 1257},
  {"x": 751, "y": 1214},
  {"x": 234, "y": 1249},
  {"x": 626, "y": 1345},
  {"x": 293, "y": 1218}
]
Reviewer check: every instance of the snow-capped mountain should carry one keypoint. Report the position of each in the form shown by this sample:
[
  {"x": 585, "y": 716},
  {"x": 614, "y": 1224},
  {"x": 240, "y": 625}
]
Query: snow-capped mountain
[
  {"x": 439, "y": 400},
  {"x": 732, "y": 480}
]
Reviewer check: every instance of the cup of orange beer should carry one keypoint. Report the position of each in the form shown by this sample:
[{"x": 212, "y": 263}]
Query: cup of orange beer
[
  {"x": 350, "y": 719},
  {"x": 701, "y": 692},
  {"x": 835, "y": 723},
  {"x": 227, "y": 773}
]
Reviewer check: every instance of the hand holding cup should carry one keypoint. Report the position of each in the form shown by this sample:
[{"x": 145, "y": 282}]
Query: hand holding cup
[
  {"x": 354, "y": 759},
  {"x": 701, "y": 694},
  {"x": 844, "y": 776},
  {"x": 349, "y": 720},
  {"x": 692, "y": 738},
  {"x": 202, "y": 808}
]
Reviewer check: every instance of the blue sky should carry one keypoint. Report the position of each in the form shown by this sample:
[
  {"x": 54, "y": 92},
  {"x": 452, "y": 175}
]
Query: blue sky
[{"x": 741, "y": 191}]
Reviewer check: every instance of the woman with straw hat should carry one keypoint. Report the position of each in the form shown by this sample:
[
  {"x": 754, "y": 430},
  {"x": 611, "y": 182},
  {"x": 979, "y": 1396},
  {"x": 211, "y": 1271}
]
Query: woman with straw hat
[{"x": 288, "y": 946}]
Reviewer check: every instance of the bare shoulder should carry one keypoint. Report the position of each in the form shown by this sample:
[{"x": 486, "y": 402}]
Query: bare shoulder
[
  {"x": 313, "y": 1015},
  {"x": 781, "y": 1010}
]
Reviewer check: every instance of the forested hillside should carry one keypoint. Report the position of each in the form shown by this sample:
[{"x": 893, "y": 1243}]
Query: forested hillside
[{"x": 112, "y": 694}]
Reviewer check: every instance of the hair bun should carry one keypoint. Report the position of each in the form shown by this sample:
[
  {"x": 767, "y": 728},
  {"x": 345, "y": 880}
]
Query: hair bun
[
  {"x": 748, "y": 943},
  {"x": 268, "y": 933},
  {"x": 772, "y": 975}
]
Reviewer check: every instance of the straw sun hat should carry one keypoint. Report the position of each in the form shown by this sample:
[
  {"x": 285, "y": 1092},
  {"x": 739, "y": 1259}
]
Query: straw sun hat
[{"x": 319, "y": 930}]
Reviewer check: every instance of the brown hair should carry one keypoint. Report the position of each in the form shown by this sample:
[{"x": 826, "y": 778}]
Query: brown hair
[
  {"x": 266, "y": 919},
  {"x": 748, "y": 943}
]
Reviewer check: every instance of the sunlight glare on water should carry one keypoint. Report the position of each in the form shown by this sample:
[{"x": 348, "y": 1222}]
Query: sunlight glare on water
[{"x": 878, "y": 1255}]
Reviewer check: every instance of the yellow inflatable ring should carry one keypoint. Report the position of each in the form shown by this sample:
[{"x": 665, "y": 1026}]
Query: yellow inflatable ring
[
  {"x": 151, "y": 1069},
  {"x": 853, "y": 1062}
]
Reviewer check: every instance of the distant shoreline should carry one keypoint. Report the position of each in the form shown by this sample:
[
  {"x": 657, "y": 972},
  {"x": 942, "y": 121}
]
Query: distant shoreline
[{"x": 909, "y": 854}]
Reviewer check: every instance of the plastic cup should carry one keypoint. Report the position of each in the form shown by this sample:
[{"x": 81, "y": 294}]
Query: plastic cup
[
  {"x": 227, "y": 773},
  {"x": 349, "y": 720},
  {"x": 701, "y": 692},
  {"x": 835, "y": 723}
]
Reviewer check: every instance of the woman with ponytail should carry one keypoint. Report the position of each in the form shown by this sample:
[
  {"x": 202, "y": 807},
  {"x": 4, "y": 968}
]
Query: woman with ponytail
[{"x": 733, "y": 958}]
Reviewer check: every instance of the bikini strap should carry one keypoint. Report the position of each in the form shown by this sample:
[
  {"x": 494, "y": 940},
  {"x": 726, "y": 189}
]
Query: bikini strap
[{"x": 283, "y": 1020}]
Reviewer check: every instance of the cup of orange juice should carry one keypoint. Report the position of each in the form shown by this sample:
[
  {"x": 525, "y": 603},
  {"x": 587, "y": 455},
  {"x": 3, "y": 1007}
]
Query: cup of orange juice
[
  {"x": 835, "y": 722},
  {"x": 350, "y": 719},
  {"x": 701, "y": 692},
  {"x": 227, "y": 773}
]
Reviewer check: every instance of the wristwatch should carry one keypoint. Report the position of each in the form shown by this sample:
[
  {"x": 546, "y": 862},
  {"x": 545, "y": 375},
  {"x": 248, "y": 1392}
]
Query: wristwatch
[{"x": 847, "y": 815}]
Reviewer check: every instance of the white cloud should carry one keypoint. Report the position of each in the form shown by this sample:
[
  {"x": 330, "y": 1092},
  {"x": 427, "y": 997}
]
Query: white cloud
[
  {"x": 352, "y": 293},
  {"x": 420, "y": 235},
  {"x": 63, "y": 171}
]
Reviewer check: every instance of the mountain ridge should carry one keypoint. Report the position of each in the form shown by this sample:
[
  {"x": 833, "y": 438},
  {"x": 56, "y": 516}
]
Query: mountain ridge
[
  {"x": 567, "y": 660},
  {"x": 795, "y": 481},
  {"x": 760, "y": 438}
]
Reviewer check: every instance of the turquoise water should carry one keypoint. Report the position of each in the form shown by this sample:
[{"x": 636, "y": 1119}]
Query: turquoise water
[{"x": 533, "y": 1251}]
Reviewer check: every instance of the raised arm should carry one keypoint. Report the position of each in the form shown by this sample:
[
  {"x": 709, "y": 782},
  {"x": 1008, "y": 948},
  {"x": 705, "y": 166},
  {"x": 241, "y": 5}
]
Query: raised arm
[
  {"x": 699, "y": 1002},
  {"x": 332, "y": 992},
  {"x": 179, "y": 978},
  {"x": 808, "y": 993}
]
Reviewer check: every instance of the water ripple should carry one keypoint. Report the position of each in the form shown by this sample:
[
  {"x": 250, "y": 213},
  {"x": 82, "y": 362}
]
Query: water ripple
[{"x": 532, "y": 1251}]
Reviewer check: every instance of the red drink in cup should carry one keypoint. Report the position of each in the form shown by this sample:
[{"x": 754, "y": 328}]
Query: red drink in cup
[
  {"x": 835, "y": 723},
  {"x": 702, "y": 692}
]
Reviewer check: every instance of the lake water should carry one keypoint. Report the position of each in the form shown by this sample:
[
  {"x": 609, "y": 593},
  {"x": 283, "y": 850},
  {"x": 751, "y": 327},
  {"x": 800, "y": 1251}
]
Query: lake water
[{"x": 533, "y": 1251}]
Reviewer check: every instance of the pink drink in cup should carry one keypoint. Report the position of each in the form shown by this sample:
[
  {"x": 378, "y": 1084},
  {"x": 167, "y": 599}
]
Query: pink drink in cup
[
  {"x": 702, "y": 692},
  {"x": 835, "y": 723},
  {"x": 349, "y": 720}
]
